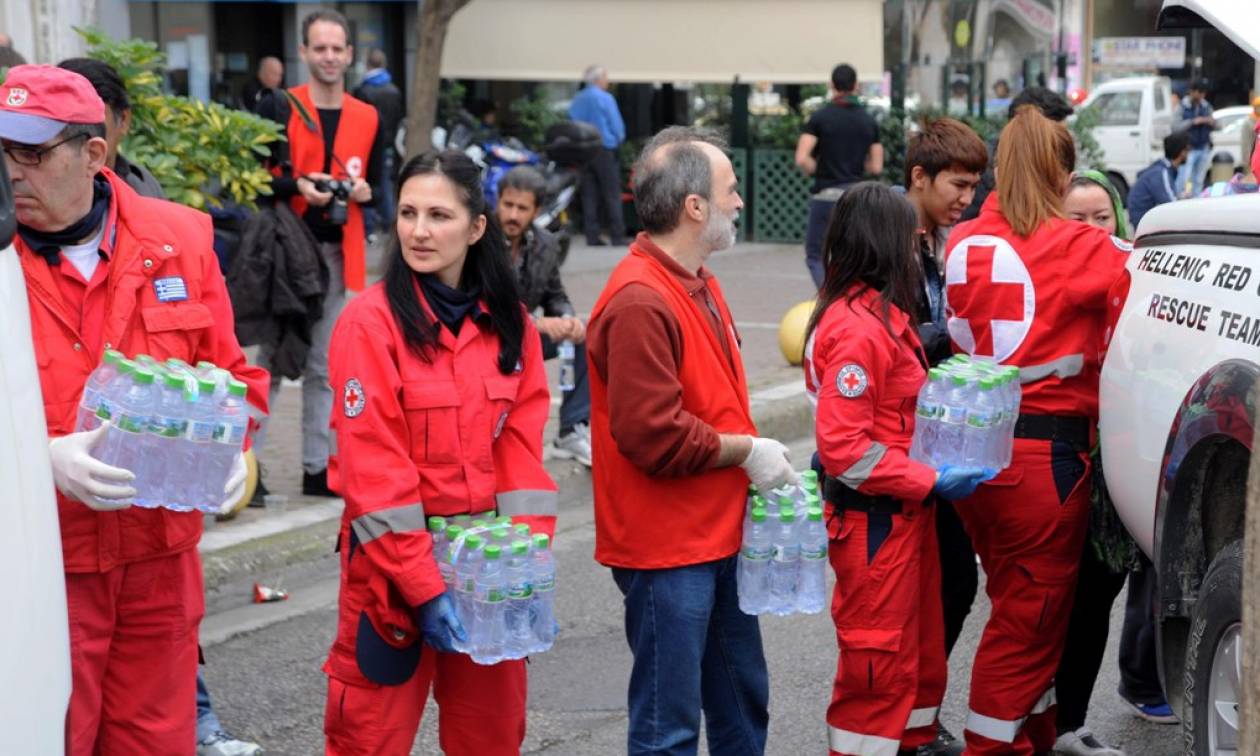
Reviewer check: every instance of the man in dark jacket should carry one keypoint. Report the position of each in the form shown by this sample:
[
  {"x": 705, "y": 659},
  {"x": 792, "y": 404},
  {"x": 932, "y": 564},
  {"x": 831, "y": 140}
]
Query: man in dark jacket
[
  {"x": 378, "y": 89},
  {"x": 1157, "y": 183},
  {"x": 536, "y": 257}
]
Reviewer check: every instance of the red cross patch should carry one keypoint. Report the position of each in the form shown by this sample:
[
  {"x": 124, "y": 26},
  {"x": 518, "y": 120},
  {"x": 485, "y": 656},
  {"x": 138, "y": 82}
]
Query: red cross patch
[
  {"x": 851, "y": 381},
  {"x": 990, "y": 298},
  {"x": 353, "y": 400}
]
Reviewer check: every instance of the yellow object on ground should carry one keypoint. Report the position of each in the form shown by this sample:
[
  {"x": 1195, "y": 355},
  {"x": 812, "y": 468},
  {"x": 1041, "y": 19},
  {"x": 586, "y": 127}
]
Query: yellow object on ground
[
  {"x": 251, "y": 482},
  {"x": 792, "y": 331}
]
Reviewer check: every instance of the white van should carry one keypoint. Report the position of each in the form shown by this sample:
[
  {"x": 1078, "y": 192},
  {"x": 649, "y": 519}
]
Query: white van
[{"x": 1135, "y": 114}]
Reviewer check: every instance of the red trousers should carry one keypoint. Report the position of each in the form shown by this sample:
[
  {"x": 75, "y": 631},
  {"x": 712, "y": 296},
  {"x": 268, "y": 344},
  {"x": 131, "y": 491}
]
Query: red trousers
[
  {"x": 481, "y": 709},
  {"x": 1028, "y": 527},
  {"x": 133, "y": 657},
  {"x": 887, "y": 610}
]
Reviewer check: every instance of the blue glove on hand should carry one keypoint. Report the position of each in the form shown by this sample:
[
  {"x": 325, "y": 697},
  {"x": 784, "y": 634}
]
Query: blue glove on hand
[
  {"x": 439, "y": 625},
  {"x": 960, "y": 482}
]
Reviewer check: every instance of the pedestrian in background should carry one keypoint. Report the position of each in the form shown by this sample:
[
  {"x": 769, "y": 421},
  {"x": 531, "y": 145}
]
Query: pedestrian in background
[
  {"x": 378, "y": 90},
  {"x": 601, "y": 176},
  {"x": 266, "y": 82},
  {"x": 840, "y": 144},
  {"x": 1157, "y": 183},
  {"x": 1197, "y": 120},
  {"x": 674, "y": 450},
  {"x": 442, "y": 402}
]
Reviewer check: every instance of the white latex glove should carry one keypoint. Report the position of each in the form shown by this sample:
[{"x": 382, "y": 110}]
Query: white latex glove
[
  {"x": 235, "y": 486},
  {"x": 82, "y": 477},
  {"x": 767, "y": 465}
]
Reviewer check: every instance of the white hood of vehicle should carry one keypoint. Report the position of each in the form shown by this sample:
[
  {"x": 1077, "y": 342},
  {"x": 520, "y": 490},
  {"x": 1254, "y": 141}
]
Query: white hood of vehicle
[{"x": 1237, "y": 19}]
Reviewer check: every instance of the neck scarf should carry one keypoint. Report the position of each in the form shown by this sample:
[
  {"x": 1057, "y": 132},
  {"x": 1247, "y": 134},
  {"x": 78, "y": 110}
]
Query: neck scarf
[
  {"x": 48, "y": 244},
  {"x": 451, "y": 306}
]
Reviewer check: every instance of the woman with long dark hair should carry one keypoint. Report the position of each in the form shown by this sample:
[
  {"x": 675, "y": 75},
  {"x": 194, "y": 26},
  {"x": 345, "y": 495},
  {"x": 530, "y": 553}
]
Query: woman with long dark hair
[
  {"x": 1028, "y": 287},
  {"x": 864, "y": 366},
  {"x": 442, "y": 400}
]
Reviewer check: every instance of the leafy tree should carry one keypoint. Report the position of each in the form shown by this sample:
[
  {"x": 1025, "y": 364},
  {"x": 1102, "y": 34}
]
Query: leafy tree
[{"x": 432, "y": 23}]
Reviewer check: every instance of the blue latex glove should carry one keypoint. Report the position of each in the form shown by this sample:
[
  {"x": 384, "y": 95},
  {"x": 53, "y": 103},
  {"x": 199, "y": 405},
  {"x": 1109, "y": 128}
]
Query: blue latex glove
[
  {"x": 439, "y": 625},
  {"x": 960, "y": 482}
]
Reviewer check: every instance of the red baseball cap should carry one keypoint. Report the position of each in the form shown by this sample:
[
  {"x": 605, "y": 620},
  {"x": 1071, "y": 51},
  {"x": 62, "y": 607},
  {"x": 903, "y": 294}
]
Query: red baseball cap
[{"x": 38, "y": 101}]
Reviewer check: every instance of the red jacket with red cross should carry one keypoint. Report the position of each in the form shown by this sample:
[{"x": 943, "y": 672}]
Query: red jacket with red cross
[
  {"x": 1039, "y": 303},
  {"x": 865, "y": 379},
  {"x": 446, "y": 436}
]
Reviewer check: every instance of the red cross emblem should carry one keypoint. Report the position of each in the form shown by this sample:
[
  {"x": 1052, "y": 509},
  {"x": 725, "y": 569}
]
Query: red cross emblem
[
  {"x": 353, "y": 400},
  {"x": 851, "y": 381},
  {"x": 989, "y": 304}
]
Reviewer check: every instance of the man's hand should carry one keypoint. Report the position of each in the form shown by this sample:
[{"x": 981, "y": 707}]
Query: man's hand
[
  {"x": 556, "y": 329},
  {"x": 80, "y": 476},
  {"x": 577, "y": 329},
  {"x": 313, "y": 196},
  {"x": 767, "y": 465},
  {"x": 361, "y": 191},
  {"x": 234, "y": 489}
]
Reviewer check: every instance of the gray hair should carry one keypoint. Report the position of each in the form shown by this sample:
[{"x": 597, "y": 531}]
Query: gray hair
[
  {"x": 593, "y": 74},
  {"x": 524, "y": 178},
  {"x": 376, "y": 58},
  {"x": 671, "y": 168}
]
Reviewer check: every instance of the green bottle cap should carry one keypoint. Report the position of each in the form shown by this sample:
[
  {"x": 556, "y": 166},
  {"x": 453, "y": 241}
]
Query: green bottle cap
[
  {"x": 786, "y": 501},
  {"x": 143, "y": 377},
  {"x": 787, "y": 514},
  {"x": 493, "y": 551},
  {"x": 521, "y": 529},
  {"x": 958, "y": 379},
  {"x": 490, "y": 515},
  {"x": 127, "y": 367},
  {"x": 453, "y": 531},
  {"x": 752, "y": 490},
  {"x": 503, "y": 520},
  {"x": 812, "y": 500},
  {"x": 500, "y": 533},
  {"x": 542, "y": 542},
  {"x": 474, "y": 542},
  {"x": 479, "y": 523},
  {"x": 520, "y": 548},
  {"x": 437, "y": 524},
  {"x": 758, "y": 514},
  {"x": 986, "y": 384},
  {"x": 144, "y": 359},
  {"x": 174, "y": 381},
  {"x": 206, "y": 365},
  {"x": 205, "y": 386},
  {"x": 760, "y": 501},
  {"x": 113, "y": 357},
  {"x": 236, "y": 388},
  {"x": 815, "y": 514},
  {"x": 936, "y": 374},
  {"x": 810, "y": 475}
]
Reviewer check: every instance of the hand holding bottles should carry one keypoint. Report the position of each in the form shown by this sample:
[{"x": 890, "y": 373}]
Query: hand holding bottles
[
  {"x": 767, "y": 465},
  {"x": 438, "y": 624},
  {"x": 79, "y": 475},
  {"x": 234, "y": 489},
  {"x": 960, "y": 482}
]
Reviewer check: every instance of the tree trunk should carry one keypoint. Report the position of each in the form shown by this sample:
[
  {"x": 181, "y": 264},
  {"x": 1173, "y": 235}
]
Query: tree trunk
[
  {"x": 1249, "y": 713},
  {"x": 431, "y": 25}
]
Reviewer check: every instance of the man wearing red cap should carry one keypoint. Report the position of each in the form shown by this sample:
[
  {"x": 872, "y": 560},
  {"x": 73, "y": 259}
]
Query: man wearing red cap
[{"x": 108, "y": 269}]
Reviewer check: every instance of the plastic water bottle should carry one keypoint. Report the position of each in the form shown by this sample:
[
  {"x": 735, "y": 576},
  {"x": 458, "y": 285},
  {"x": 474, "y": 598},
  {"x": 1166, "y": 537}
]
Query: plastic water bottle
[
  {"x": 1016, "y": 396},
  {"x": 785, "y": 563},
  {"x": 568, "y": 372},
  {"x": 167, "y": 452},
  {"x": 437, "y": 534},
  {"x": 201, "y": 419},
  {"x": 231, "y": 421},
  {"x": 953, "y": 422},
  {"x": 520, "y": 599},
  {"x": 927, "y": 415},
  {"x": 96, "y": 385},
  {"x": 445, "y": 567},
  {"x": 543, "y": 578},
  {"x": 124, "y": 443},
  {"x": 979, "y": 431},
  {"x": 812, "y": 586},
  {"x": 490, "y": 607},
  {"x": 752, "y": 580},
  {"x": 467, "y": 565}
]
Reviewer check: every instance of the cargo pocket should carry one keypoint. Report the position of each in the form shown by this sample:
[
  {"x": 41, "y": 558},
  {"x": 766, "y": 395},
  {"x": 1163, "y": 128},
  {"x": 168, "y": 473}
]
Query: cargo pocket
[
  {"x": 432, "y": 409},
  {"x": 175, "y": 330},
  {"x": 387, "y": 644},
  {"x": 1039, "y": 608},
  {"x": 1069, "y": 468},
  {"x": 501, "y": 392},
  {"x": 868, "y": 660}
]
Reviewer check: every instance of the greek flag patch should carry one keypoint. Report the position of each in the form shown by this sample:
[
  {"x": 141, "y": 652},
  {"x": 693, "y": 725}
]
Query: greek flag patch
[{"x": 170, "y": 289}]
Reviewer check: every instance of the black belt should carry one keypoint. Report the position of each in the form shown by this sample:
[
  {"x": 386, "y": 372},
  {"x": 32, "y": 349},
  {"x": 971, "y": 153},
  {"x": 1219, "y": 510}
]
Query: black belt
[
  {"x": 843, "y": 497},
  {"x": 1072, "y": 429}
]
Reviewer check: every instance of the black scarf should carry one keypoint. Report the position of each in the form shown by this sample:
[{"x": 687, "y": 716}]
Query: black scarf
[
  {"x": 451, "y": 306},
  {"x": 48, "y": 244}
]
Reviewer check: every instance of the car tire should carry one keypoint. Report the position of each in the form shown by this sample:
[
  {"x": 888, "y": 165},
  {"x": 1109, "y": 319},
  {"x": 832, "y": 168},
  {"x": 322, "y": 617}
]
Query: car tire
[{"x": 1213, "y": 658}]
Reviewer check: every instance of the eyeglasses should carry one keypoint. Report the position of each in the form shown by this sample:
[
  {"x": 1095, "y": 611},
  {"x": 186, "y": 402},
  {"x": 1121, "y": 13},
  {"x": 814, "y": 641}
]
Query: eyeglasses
[{"x": 32, "y": 156}]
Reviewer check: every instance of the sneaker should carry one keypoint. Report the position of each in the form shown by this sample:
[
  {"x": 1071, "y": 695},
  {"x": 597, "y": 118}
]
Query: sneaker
[
  {"x": 1160, "y": 713},
  {"x": 1083, "y": 743},
  {"x": 260, "y": 490},
  {"x": 223, "y": 744},
  {"x": 316, "y": 484},
  {"x": 576, "y": 444},
  {"x": 944, "y": 745}
]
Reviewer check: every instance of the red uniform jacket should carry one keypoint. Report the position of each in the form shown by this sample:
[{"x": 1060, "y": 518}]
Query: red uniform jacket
[
  {"x": 1038, "y": 303},
  {"x": 352, "y": 148},
  {"x": 152, "y": 239},
  {"x": 867, "y": 383},
  {"x": 645, "y": 522},
  {"x": 414, "y": 438}
]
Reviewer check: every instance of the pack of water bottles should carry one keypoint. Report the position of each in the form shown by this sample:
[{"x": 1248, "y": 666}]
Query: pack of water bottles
[
  {"x": 966, "y": 414},
  {"x": 176, "y": 427},
  {"x": 503, "y": 582},
  {"x": 783, "y": 559}
]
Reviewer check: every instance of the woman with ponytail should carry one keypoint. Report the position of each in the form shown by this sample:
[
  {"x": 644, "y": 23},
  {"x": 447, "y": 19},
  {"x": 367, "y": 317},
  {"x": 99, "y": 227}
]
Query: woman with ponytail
[{"x": 1028, "y": 287}]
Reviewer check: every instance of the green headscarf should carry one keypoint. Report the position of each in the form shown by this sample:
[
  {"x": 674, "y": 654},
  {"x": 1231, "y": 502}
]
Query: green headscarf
[{"x": 1117, "y": 207}]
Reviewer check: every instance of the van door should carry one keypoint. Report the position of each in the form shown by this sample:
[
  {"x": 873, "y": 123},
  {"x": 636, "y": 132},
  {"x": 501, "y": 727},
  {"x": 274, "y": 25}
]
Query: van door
[{"x": 1121, "y": 133}]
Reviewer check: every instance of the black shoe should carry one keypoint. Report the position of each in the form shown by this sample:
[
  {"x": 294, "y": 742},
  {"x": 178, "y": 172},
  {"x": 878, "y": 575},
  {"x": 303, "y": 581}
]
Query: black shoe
[
  {"x": 260, "y": 491},
  {"x": 596, "y": 243},
  {"x": 944, "y": 745},
  {"x": 316, "y": 484}
]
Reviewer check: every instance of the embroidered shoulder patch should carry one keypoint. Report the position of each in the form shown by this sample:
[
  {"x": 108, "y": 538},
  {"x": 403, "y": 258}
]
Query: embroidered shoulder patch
[
  {"x": 851, "y": 381},
  {"x": 1122, "y": 244},
  {"x": 170, "y": 289},
  {"x": 353, "y": 400}
]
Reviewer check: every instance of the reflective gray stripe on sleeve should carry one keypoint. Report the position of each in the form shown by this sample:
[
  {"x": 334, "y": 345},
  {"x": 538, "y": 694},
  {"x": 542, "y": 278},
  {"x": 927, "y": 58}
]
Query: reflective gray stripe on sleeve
[
  {"x": 332, "y": 442},
  {"x": 845, "y": 741},
  {"x": 1064, "y": 367},
  {"x": 1048, "y": 699},
  {"x": 1005, "y": 730},
  {"x": 861, "y": 470},
  {"x": 542, "y": 503},
  {"x": 922, "y": 717},
  {"x": 407, "y": 518}
]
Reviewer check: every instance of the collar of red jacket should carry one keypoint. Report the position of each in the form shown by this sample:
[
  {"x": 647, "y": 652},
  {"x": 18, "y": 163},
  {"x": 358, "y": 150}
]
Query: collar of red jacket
[
  {"x": 692, "y": 282},
  {"x": 898, "y": 321}
]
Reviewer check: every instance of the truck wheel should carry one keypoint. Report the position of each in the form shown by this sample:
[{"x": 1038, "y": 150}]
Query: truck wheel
[{"x": 1214, "y": 659}]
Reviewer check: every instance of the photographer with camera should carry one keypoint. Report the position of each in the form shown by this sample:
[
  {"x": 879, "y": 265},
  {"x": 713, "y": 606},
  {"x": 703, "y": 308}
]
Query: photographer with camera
[{"x": 333, "y": 172}]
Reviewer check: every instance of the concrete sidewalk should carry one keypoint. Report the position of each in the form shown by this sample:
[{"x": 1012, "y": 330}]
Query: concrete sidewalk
[{"x": 761, "y": 282}]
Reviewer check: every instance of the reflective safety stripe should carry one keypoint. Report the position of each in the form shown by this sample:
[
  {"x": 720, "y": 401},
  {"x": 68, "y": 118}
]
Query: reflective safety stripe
[
  {"x": 861, "y": 745},
  {"x": 1047, "y": 700},
  {"x": 1064, "y": 367},
  {"x": 332, "y": 443},
  {"x": 407, "y": 518},
  {"x": 1005, "y": 730},
  {"x": 862, "y": 469},
  {"x": 922, "y": 717},
  {"x": 542, "y": 503}
]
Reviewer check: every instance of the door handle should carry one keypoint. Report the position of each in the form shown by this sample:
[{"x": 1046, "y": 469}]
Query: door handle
[{"x": 1135, "y": 133}]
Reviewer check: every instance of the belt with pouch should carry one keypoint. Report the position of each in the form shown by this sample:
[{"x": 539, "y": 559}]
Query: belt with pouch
[
  {"x": 842, "y": 497},
  {"x": 1071, "y": 429}
]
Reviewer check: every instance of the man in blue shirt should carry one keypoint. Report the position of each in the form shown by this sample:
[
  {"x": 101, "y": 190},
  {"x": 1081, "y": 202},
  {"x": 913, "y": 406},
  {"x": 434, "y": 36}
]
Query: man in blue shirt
[
  {"x": 1196, "y": 118},
  {"x": 601, "y": 177},
  {"x": 1155, "y": 184}
]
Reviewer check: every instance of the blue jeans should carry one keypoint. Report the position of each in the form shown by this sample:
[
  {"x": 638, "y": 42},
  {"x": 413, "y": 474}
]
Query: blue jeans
[
  {"x": 381, "y": 217},
  {"x": 693, "y": 650},
  {"x": 207, "y": 721},
  {"x": 1193, "y": 169},
  {"x": 815, "y": 235},
  {"x": 575, "y": 405}
]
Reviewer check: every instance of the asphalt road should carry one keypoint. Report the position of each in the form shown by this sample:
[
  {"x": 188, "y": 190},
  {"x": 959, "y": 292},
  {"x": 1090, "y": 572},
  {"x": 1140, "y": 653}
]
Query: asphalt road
[{"x": 264, "y": 663}]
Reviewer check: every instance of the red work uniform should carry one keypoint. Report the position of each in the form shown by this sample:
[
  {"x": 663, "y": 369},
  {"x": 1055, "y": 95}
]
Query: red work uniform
[
  {"x": 887, "y": 603},
  {"x": 447, "y": 435},
  {"x": 133, "y": 577},
  {"x": 1039, "y": 303}
]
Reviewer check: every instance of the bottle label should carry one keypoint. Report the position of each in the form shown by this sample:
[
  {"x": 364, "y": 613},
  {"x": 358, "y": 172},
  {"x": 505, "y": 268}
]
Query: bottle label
[
  {"x": 200, "y": 431},
  {"x": 494, "y": 595},
  {"x": 815, "y": 554},
  {"x": 955, "y": 415},
  {"x": 228, "y": 433},
  {"x": 520, "y": 591},
  {"x": 786, "y": 553},
  {"x": 544, "y": 585},
  {"x": 756, "y": 553},
  {"x": 132, "y": 423},
  {"x": 169, "y": 427},
  {"x": 927, "y": 411},
  {"x": 978, "y": 420}
]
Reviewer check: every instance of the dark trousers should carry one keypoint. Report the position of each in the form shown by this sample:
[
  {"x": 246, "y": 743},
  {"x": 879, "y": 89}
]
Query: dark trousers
[
  {"x": 1139, "y": 670},
  {"x": 601, "y": 193},
  {"x": 1096, "y": 590},
  {"x": 959, "y": 574},
  {"x": 815, "y": 234},
  {"x": 575, "y": 405}
]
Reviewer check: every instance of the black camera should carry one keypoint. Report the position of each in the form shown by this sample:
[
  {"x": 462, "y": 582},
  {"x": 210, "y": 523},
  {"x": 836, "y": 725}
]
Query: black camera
[{"x": 338, "y": 211}]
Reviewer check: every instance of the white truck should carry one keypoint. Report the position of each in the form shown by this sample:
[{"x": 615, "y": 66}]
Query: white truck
[
  {"x": 1178, "y": 418},
  {"x": 1134, "y": 115}
]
